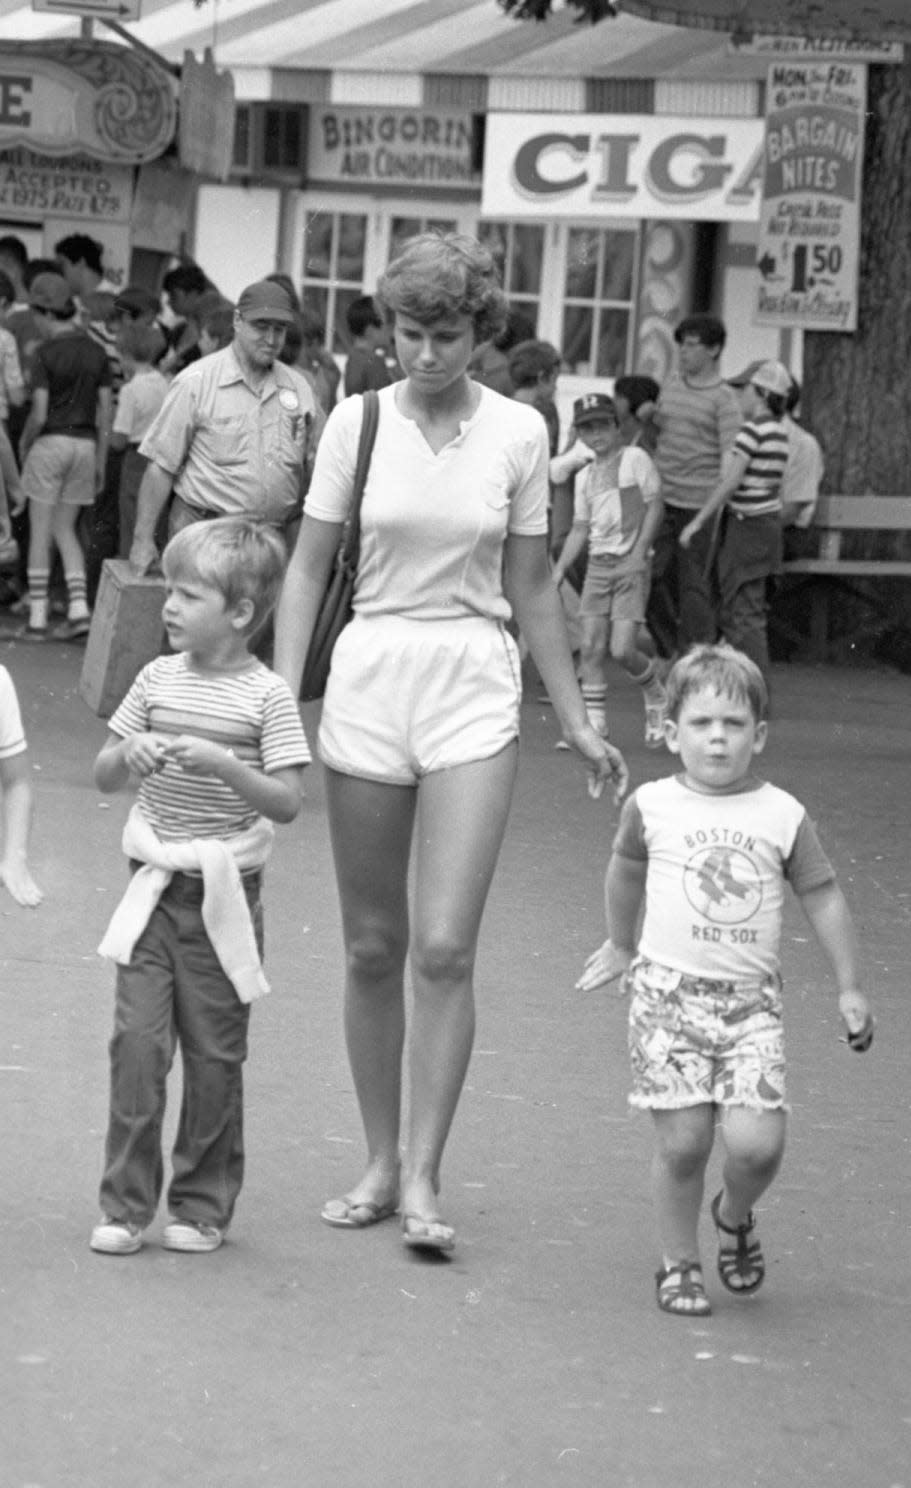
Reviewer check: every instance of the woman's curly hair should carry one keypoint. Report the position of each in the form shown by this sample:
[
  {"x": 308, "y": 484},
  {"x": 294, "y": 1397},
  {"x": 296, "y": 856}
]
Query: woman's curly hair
[{"x": 438, "y": 275}]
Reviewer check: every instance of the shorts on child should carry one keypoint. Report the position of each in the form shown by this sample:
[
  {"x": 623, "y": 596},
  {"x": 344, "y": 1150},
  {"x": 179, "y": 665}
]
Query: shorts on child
[
  {"x": 406, "y": 697},
  {"x": 695, "y": 1041},
  {"x": 612, "y": 591},
  {"x": 60, "y": 471}
]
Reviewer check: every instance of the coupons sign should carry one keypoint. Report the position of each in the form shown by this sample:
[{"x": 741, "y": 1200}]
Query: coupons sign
[{"x": 809, "y": 237}]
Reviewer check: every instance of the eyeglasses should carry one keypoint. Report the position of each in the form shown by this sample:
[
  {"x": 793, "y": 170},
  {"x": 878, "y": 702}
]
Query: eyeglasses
[{"x": 265, "y": 328}]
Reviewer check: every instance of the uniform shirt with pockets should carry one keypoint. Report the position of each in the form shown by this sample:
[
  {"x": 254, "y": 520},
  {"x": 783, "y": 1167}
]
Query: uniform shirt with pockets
[{"x": 231, "y": 448}]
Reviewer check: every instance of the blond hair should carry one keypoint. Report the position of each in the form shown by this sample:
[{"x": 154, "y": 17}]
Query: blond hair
[{"x": 241, "y": 557}]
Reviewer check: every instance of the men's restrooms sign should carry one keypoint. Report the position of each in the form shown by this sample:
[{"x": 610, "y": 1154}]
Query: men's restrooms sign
[{"x": 809, "y": 236}]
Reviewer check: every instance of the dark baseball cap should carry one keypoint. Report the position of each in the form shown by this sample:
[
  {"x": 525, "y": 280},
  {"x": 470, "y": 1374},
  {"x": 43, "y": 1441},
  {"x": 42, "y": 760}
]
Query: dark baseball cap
[
  {"x": 136, "y": 301},
  {"x": 593, "y": 407},
  {"x": 266, "y": 300},
  {"x": 50, "y": 292}
]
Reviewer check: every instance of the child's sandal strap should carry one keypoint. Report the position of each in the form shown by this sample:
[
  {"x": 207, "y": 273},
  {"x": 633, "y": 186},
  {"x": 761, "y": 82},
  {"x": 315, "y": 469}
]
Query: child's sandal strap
[
  {"x": 744, "y": 1260},
  {"x": 681, "y": 1290}
]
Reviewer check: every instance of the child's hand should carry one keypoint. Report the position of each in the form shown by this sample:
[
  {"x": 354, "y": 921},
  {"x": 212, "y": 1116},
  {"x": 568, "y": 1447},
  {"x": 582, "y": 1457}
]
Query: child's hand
[
  {"x": 145, "y": 753},
  {"x": 858, "y": 1020},
  {"x": 687, "y": 535},
  {"x": 19, "y": 882},
  {"x": 604, "y": 965},
  {"x": 198, "y": 756}
]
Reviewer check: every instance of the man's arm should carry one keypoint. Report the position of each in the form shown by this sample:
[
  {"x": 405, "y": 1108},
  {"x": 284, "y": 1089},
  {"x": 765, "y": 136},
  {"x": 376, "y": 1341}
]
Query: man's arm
[{"x": 153, "y": 494}]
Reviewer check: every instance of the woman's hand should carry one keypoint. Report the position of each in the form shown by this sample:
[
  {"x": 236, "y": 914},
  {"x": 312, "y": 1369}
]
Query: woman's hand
[
  {"x": 604, "y": 965},
  {"x": 605, "y": 763}
]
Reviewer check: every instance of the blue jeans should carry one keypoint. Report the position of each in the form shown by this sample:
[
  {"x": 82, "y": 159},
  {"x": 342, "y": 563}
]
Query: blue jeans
[{"x": 174, "y": 992}]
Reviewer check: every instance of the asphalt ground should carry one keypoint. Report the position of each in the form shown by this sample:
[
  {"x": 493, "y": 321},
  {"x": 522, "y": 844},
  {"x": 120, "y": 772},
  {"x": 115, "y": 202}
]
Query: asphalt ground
[{"x": 299, "y": 1355}]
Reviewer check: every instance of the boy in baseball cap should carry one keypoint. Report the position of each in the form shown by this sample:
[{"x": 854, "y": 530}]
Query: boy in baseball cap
[
  {"x": 615, "y": 516},
  {"x": 745, "y": 508}
]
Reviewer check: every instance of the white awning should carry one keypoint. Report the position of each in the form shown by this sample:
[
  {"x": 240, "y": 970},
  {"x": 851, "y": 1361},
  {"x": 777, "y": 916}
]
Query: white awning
[{"x": 408, "y": 36}]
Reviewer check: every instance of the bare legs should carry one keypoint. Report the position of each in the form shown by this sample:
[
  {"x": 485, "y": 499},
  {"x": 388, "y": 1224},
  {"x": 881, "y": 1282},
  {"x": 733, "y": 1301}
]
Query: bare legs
[
  {"x": 460, "y": 817},
  {"x": 754, "y": 1145}
]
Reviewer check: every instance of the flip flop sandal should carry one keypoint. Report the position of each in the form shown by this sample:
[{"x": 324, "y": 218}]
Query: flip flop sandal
[
  {"x": 681, "y": 1290},
  {"x": 342, "y": 1214},
  {"x": 745, "y": 1259}
]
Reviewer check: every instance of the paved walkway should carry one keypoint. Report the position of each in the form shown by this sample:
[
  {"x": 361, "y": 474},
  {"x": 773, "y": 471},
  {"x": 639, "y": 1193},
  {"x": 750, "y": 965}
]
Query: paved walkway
[{"x": 301, "y": 1356}]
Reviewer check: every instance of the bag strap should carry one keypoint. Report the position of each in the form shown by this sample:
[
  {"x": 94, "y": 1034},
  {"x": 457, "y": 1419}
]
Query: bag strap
[{"x": 369, "y": 426}]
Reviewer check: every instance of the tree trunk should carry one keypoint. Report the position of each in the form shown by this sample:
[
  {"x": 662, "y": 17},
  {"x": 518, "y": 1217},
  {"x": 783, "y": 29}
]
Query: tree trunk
[{"x": 857, "y": 387}]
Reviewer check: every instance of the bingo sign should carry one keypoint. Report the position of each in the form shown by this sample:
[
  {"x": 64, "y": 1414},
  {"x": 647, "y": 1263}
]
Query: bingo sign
[{"x": 809, "y": 237}]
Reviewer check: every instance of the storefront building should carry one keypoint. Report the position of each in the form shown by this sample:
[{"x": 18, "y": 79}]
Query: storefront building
[{"x": 79, "y": 120}]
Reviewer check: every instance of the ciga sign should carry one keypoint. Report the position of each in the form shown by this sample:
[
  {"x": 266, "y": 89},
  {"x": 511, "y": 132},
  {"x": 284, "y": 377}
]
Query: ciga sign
[{"x": 622, "y": 165}]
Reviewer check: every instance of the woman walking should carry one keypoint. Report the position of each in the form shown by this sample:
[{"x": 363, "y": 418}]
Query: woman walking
[{"x": 420, "y": 720}]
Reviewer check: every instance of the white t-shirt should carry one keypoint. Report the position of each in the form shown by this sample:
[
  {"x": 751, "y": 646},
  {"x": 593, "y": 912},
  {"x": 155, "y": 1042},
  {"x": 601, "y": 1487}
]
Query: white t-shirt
[
  {"x": 717, "y": 867},
  {"x": 139, "y": 404},
  {"x": 12, "y": 737},
  {"x": 433, "y": 526}
]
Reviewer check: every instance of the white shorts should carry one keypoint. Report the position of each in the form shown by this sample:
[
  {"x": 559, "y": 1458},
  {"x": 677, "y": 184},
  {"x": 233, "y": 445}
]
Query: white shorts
[{"x": 406, "y": 697}]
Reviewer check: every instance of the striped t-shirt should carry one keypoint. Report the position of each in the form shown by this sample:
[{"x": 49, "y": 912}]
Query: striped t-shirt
[
  {"x": 764, "y": 442},
  {"x": 696, "y": 428},
  {"x": 251, "y": 712}
]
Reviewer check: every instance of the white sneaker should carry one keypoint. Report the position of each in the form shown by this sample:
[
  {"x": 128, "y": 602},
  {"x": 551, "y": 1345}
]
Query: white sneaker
[
  {"x": 116, "y": 1236},
  {"x": 654, "y": 724},
  {"x": 191, "y": 1235}
]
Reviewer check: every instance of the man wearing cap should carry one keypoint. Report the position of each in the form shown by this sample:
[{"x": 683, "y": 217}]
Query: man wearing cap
[
  {"x": 64, "y": 447},
  {"x": 236, "y": 434},
  {"x": 747, "y": 502}
]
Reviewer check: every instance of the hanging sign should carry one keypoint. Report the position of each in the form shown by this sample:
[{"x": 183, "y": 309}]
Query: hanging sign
[
  {"x": 392, "y": 147},
  {"x": 622, "y": 165},
  {"x": 809, "y": 236},
  {"x": 90, "y": 97}
]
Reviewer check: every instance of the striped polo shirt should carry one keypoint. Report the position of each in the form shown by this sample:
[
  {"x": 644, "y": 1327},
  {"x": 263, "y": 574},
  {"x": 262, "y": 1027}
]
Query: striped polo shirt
[
  {"x": 764, "y": 442},
  {"x": 251, "y": 712}
]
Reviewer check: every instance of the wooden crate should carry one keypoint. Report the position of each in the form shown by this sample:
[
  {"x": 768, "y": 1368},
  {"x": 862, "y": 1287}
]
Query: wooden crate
[{"x": 127, "y": 631}]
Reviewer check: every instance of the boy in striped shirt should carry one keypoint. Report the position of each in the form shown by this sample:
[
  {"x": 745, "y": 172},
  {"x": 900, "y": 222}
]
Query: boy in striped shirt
[
  {"x": 744, "y": 509},
  {"x": 215, "y": 741}
]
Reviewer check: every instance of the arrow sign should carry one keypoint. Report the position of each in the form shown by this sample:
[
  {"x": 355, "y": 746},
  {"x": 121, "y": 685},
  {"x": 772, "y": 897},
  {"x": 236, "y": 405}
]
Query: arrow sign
[{"x": 117, "y": 10}]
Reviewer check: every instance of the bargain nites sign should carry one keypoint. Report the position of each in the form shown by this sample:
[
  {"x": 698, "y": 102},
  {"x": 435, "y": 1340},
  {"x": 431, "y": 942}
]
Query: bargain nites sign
[{"x": 622, "y": 165}]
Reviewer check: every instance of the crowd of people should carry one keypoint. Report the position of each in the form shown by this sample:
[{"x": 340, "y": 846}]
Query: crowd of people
[{"x": 235, "y": 463}]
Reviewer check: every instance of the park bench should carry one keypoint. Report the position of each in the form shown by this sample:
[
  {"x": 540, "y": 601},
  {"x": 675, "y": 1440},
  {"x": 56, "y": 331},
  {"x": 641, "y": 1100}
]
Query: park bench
[{"x": 838, "y": 566}]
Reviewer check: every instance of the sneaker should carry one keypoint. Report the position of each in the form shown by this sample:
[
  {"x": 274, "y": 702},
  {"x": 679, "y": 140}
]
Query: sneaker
[
  {"x": 191, "y": 1235},
  {"x": 562, "y": 745},
  {"x": 33, "y": 633},
  {"x": 116, "y": 1236},
  {"x": 72, "y": 630},
  {"x": 654, "y": 724}
]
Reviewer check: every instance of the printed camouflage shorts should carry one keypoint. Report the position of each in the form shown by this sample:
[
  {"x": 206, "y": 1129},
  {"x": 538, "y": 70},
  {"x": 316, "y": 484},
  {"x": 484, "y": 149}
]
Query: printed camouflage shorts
[{"x": 695, "y": 1041}]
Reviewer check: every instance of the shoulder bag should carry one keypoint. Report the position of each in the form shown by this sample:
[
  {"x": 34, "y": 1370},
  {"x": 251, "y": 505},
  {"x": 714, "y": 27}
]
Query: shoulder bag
[{"x": 336, "y": 605}]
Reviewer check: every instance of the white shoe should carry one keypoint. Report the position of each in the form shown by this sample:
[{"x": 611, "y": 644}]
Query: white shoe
[
  {"x": 654, "y": 724},
  {"x": 116, "y": 1237},
  {"x": 191, "y": 1235}
]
